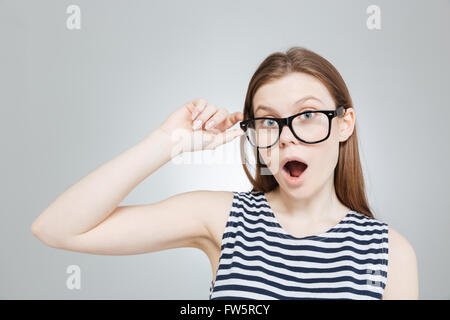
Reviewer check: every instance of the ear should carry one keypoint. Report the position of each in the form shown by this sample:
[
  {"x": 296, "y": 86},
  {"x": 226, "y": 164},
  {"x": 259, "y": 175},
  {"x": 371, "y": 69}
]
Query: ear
[{"x": 346, "y": 124}]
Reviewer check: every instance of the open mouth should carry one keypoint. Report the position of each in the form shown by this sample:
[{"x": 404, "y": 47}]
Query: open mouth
[{"x": 295, "y": 168}]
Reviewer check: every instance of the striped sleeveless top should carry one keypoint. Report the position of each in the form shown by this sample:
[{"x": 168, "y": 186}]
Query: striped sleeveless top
[{"x": 260, "y": 260}]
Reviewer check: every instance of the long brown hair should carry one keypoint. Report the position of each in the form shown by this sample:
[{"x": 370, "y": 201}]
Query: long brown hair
[{"x": 348, "y": 175}]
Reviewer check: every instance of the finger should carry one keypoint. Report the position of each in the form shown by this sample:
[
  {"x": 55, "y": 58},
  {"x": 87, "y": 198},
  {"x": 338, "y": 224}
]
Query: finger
[
  {"x": 199, "y": 106},
  {"x": 216, "y": 119},
  {"x": 208, "y": 112},
  {"x": 190, "y": 106},
  {"x": 233, "y": 119}
]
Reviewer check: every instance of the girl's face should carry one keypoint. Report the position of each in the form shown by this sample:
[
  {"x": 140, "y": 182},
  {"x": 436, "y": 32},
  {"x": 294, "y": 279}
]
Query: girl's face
[{"x": 281, "y": 96}]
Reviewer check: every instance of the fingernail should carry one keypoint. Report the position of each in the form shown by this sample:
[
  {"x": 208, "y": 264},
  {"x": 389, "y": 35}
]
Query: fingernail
[
  {"x": 197, "y": 124},
  {"x": 209, "y": 125},
  {"x": 194, "y": 114}
]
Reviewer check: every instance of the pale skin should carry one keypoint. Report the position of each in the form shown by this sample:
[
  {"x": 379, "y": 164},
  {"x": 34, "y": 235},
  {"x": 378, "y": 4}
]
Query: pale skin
[{"x": 86, "y": 217}]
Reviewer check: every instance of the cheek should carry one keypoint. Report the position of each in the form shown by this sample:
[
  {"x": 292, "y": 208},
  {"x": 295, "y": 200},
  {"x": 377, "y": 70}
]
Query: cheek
[
  {"x": 271, "y": 157},
  {"x": 326, "y": 158},
  {"x": 329, "y": 156}
]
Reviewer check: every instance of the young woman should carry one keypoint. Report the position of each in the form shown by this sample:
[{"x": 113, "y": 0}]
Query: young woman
[{"x": 304, "y": 231}]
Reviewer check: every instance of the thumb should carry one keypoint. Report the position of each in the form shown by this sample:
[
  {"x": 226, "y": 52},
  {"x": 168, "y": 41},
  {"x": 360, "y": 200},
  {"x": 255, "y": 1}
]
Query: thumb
[
  {"x": 225, "y": 137},
  {"x": 231, "y": 134}
]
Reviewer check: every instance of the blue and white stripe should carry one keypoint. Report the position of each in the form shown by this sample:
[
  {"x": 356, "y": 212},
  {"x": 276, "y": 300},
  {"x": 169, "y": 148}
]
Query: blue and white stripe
[{"x": 260, "y": 260}]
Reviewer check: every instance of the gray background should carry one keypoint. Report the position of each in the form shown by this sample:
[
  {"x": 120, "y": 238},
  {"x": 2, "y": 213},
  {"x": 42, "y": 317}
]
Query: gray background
[{"x": 72, "y": 100}]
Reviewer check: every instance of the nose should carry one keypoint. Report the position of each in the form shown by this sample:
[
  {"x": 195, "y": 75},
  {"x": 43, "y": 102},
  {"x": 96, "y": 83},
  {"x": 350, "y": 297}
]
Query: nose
[{"x": 287, "y": 137}]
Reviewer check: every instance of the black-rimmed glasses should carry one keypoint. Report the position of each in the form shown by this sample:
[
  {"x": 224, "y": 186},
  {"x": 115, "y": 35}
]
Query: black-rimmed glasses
[{"x": 310, "y": 126}]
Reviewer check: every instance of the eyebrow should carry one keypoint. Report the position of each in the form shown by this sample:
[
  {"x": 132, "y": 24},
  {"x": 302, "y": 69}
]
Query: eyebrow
[{"x": 263, "y": 107}]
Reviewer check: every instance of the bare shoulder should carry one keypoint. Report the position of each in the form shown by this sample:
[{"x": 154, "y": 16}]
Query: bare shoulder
[{"x": 402, "y": 275}]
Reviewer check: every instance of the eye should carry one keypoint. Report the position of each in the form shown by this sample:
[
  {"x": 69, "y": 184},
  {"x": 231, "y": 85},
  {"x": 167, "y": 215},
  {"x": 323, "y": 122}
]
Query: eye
[
  {"x": 307, "y": 115},
  {"x": 269, "y": 123}
]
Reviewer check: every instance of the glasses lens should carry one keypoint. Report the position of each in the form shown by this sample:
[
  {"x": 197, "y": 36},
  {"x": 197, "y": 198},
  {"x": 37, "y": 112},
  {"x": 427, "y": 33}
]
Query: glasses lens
[
  {"x": 263, "y": 132},
  {"x": 311, "y": 127}
]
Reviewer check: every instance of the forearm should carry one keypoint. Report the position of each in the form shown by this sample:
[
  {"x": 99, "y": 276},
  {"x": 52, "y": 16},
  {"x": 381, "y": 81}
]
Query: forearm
[{"x": 92, "y": 199}]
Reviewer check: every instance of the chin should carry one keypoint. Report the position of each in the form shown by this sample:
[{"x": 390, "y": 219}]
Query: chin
[{"x": 301, "y": 191}]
